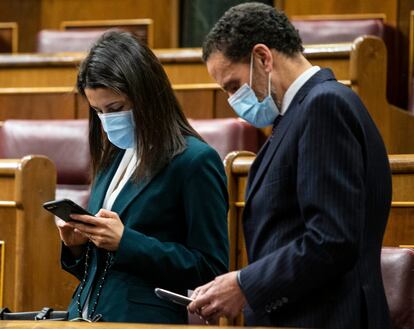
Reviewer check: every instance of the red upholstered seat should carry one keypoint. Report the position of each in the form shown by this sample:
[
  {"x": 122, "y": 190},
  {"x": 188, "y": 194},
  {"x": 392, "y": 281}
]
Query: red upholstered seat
[
  {"x": 397, "y": 266},
  {"x": 229, "y": 134},
  {"x": 54, "y": 41},
  {"x": 315, "y": 31},
  {"x": 65, "y": 142}
]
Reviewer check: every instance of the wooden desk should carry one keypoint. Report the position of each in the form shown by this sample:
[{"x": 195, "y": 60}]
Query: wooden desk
[
  {"x": 362, "y": 65},
  {"x": 60, "y": 69},
  {"x": 100, "y": 325}
]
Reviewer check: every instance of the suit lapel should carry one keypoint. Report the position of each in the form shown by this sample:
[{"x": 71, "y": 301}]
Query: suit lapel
[
  {"x": 130, "y": 192},
  {"x": 273, "y": 145},
  {"x": 262, "y": 162},
  {"x": 101, "y": 185}
]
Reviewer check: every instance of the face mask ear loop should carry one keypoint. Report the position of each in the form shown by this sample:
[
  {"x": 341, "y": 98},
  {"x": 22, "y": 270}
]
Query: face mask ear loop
[
  {"x": 251, "y": 69},
  {"x": 269, "y": 82}
]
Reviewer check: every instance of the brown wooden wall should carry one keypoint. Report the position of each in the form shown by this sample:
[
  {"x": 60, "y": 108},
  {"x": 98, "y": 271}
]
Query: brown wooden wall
[{"x": 34, "y": 15}]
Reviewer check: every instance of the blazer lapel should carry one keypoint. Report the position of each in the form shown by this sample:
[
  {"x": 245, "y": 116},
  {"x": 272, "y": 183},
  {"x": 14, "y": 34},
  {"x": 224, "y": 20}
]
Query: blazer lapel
[
  {"x": 280, "y": 131},
  {"x": 101, "y": 185},
  {"x": 130, "y": 192}
]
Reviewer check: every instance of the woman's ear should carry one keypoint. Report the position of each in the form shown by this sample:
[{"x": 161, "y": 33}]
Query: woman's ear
[{"x": 264, "y": 54}]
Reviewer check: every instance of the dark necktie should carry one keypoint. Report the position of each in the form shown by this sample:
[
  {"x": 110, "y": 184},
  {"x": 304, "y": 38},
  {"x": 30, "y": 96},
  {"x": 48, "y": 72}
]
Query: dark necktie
[
  {"x": 263, "y": 150},
  {"x": 275, "y": 123}
]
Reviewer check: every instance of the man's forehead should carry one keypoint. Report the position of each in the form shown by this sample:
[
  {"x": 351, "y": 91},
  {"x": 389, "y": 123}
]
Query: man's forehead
[{"x": 222, "y": 69}]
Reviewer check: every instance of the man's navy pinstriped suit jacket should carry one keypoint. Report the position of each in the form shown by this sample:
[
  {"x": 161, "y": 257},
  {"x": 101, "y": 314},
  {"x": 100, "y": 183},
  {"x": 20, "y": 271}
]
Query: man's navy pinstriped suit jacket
[{"x": 317, "y": 203}]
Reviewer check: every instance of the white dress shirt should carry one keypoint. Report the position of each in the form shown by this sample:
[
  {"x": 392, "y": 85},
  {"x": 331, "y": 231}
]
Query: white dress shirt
[{"x": 295, "y": 86}]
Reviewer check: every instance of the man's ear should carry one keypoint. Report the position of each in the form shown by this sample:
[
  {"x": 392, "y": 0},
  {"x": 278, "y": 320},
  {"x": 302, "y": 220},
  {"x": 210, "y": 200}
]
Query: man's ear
[{"x": 265, "y": 56}]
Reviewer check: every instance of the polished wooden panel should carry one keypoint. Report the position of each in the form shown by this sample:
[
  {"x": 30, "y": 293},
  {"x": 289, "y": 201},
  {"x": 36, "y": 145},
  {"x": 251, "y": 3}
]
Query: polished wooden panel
[
  {"x": 400, "y": 227},
  {"x": 202, "y": 101},
  {"x": 37, "y": 103},
  {"x": 162, "y": 12},
  {"x": 48, "y": 14},
  {"x": 32, "y": 274},
  {"x": 181, "y": 65},
  {"x": 19, "y": 11},
  {"x": 8, "y": 37},
  {"x": 142, "y": 27},
  {"x": 2, "y": 247},
  {"x": 198, "y": 101},
  {"x": 368, "y": 77},
  {"x": 411, "y": 62},
  {"x": 322, "y": 7}
]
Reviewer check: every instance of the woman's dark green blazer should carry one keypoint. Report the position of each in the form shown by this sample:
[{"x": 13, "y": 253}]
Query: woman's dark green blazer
[{"x": 175, "y": 238}]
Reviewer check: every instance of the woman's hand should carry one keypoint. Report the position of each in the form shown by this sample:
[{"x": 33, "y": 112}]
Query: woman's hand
[
  {"x": 72, "y": 239},
  {"x": 67, "y": 234},
  {"x": 105, "y": 229}
]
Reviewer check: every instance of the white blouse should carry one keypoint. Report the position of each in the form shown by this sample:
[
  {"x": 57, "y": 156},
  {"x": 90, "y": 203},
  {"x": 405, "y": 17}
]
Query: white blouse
[{"x": 123, "y": 173}]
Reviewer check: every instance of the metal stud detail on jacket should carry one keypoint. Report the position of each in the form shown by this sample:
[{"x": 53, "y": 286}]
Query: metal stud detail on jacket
[{"x": 108, "y": 263}]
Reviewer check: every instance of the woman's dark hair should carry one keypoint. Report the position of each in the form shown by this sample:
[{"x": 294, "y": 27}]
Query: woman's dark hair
[
  {"x": 120, "y": 62},
  {"x": 243, "y": 26}
]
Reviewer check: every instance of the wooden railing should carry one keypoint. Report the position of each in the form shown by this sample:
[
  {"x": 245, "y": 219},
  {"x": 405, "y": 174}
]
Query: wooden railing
[{"x": 31, "y": 245}]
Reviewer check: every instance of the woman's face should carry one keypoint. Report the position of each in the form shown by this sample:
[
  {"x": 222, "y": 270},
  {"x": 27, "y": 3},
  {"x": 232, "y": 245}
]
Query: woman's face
[{"x": 105, "y": 100}]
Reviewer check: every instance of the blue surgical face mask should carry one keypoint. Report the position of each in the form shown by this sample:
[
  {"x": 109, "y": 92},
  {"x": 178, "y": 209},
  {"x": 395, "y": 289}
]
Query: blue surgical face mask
[
  {"x": 120, "y": 128},
  {"x": 245, "y": 103}
]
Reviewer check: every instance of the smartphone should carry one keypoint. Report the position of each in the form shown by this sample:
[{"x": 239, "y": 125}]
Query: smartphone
[
  {"x": 173, "y": 297},
  {"x": 64, "y": 208}
]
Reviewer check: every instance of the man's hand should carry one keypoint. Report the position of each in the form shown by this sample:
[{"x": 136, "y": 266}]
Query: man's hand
[{"x": 220, "y": 297}]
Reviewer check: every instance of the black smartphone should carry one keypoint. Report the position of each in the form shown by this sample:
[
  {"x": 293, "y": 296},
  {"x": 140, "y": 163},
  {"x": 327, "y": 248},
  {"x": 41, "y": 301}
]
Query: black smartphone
[
  {"x": 64, "y": 208},
  {"x": 173, "y": 297}
]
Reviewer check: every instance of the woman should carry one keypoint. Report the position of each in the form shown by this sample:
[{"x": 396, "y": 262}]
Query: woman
[{"x": 159, "y": 193}]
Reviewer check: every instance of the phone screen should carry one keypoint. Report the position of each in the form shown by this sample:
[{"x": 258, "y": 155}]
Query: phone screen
[
  {"x": 172, "y": 297},
  {"x": 64, "y": 208}
]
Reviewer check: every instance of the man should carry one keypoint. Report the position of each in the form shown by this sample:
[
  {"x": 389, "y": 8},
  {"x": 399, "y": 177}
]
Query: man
[{"x": 319, "y": 191}]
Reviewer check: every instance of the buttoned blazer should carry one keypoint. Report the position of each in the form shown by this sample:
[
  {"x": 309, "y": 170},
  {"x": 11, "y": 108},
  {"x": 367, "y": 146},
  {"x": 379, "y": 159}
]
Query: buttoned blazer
[
  {"x": 175, "y": 238},
  {"x": 317, "y": 203}
]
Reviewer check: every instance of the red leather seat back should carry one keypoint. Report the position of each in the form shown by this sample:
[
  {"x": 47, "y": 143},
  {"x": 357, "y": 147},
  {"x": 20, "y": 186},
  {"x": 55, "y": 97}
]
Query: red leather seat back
[
  {"x": 397, "y": 266},
  {"x": 65, "y": 142},
  {"x": 54, "y": 41},
  {"x": 334, "y": 31},
  {"x": 229, "y": 134}
]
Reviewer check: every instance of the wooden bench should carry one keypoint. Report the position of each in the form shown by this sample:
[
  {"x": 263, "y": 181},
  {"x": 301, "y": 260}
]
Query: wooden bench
[
  {"x": 399, "y": 230},
  {"x": 32, "y": 274},
  {"x": 142, "y": 27},
  {"x": 360, "y": 65},
  {"x": 400, "y": 227},
  {"x": 8, "y": 37},
  {"x": 338, "y": 28},
  {"x": 198, "y": 101}
]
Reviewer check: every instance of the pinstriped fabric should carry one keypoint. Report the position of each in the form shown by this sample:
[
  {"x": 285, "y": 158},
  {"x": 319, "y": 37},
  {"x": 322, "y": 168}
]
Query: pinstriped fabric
[{"x": 316, "y": 209}]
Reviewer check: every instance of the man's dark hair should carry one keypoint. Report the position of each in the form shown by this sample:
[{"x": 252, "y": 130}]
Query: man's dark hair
[{"x": 243, "y": 26}]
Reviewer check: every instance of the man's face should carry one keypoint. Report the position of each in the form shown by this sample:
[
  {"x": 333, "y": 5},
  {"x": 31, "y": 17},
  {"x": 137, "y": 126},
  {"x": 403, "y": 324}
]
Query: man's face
[{"x": 231, "y": 75}]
